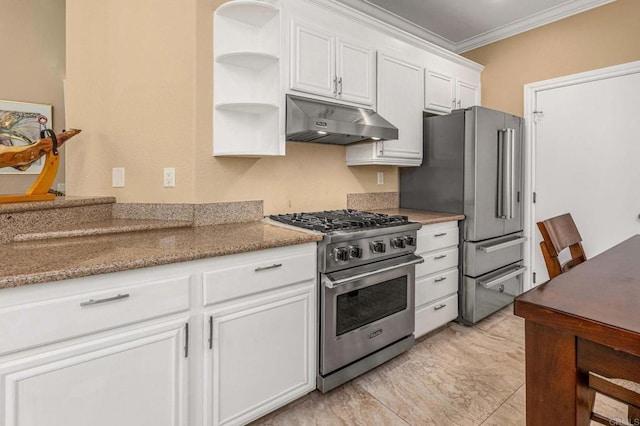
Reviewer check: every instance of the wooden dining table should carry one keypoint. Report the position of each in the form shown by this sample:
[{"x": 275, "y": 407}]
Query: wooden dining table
[{"x": 585, "y": 320}]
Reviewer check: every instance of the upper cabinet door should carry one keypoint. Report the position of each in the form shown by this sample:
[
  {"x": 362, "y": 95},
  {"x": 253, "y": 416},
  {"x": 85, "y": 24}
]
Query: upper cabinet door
[
  {"x": 355, "y": 73},
  {"x": 400, "y": 95},
  {"x": 312, "y": 61},
  {"x": 439, "y": 91},
  {"x": 466, "y": 94}
]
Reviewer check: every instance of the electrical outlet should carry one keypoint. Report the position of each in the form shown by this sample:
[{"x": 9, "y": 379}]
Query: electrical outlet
[
  {"x": 380, "y": 178},
  {"x": 117, "y": 177},
  {"x": 61, "y": 187},
  {"x": 169, "y": 177}
]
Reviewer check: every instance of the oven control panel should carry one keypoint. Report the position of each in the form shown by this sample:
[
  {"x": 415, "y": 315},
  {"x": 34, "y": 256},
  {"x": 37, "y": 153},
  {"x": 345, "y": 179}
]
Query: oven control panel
[{"x": 365, "y": 250}]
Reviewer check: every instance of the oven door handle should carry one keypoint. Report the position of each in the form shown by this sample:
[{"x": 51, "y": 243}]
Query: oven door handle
[{"x": 333, "y": 283}]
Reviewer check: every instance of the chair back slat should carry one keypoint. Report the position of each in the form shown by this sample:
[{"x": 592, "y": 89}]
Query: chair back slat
[{"x": 559, "y": 233}]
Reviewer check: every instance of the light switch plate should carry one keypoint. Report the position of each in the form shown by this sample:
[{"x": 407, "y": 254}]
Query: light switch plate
[{"x": 117, "y": 177}]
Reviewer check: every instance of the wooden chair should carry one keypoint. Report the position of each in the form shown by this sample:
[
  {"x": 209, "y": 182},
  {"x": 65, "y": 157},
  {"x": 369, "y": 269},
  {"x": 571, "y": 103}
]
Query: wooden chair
[{"x": 558, "y": 234}]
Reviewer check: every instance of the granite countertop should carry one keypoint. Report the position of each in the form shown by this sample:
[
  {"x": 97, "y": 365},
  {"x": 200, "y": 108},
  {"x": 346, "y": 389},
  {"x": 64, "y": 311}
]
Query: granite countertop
[
  {"x": 56, "y": 259},
  {"x": 423, "y": 217},
  {"x": 86, "y": 252}
]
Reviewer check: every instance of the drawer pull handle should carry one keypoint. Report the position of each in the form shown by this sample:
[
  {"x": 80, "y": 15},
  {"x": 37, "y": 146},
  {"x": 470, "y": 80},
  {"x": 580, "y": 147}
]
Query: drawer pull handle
[
  {"x": 442, "y": 256},
  {"x": 266, "y": 268},
  {"x": 442, "y": 234},
  {"x": 106, "y": 299},
  {"x": 440, "y": 306},
  {"x": 437, "y": 280}
]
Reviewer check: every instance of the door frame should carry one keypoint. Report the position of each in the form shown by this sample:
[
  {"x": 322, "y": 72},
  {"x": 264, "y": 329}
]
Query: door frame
[{"x": 531, "y": 114}]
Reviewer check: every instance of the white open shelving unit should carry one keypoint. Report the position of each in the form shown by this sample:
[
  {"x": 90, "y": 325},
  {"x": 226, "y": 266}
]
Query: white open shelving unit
[{"x": 248, "y": 109}]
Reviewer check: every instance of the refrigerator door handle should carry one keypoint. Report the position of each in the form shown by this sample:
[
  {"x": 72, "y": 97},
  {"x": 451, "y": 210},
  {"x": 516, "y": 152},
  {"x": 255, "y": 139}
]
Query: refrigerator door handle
[
  {"x": 502, "y": 278},
  {"x": 506, "y": 173},
  {"x": 495, "y": 247}
]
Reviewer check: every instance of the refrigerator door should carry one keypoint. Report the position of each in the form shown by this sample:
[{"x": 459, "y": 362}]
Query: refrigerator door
[
  {"x": 515, "y": 221},
  {"x": 487, "y": 149},
  {"x": 482, "y": 296}
]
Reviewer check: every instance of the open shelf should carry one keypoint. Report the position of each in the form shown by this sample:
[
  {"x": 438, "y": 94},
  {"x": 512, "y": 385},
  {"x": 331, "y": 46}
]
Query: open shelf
[
  {"x": 252, "y": 13},
  {"x": 253, "y": 60},
  {"x": 248, "y": 115},
  {"x": 248, "y": 107}
]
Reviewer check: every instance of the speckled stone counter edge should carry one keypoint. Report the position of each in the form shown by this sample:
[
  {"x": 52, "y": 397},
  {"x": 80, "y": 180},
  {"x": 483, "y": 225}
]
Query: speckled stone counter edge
[{"x": 58, "y": 203}]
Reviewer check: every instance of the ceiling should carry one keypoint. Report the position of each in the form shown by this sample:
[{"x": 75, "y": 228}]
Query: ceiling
[{"x": 462, "y": 25}]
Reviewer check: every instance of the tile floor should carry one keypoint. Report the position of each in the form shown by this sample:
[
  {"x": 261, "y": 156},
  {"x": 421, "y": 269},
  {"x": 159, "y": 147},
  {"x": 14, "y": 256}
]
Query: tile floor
[{"x": 457, "y": 376}]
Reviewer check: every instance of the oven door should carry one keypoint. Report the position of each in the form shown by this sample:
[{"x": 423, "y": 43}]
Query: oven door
[{"x": 365, "y": 309}]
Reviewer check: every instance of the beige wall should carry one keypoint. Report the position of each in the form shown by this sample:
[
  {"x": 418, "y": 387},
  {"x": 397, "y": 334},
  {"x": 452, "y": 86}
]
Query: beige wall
[
  {"x": 601, "y": 37},
  {"x": 141, "y": 90},
  {"x": 32, "y": 40}
]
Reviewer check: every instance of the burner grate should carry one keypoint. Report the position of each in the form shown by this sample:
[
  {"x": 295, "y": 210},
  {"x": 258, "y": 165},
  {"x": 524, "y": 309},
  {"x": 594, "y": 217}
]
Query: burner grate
[{"x": 340, "y": 220}]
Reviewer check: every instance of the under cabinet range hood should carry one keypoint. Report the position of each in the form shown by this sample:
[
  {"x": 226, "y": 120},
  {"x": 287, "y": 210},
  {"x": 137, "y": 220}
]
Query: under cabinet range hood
[{"x": 310, "y": 120}]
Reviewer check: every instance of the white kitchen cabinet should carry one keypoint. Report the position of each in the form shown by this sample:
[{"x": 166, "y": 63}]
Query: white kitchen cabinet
[
  {"x": 450, "y": 87},
  {"x": 400, "y": 101},
  {"x": 105, "y": 357},
  {"x": 261, "y": 325},
  {"x": 248, "y": 105},
  {"x": 333, "y": 67},
  {"x": 437, "y": 278}
]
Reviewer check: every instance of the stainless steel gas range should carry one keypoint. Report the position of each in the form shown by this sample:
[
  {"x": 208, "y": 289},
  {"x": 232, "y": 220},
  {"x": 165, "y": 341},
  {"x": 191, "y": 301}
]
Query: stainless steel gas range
[{"x": 366, "y": 271}]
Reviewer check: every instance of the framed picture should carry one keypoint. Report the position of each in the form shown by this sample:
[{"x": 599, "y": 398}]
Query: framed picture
[{"x": 19, "y": 126}]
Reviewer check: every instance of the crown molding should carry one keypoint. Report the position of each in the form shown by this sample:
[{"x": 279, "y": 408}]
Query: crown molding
[
  {"x": 357, "y": 13},
  {"x": 377, "y": 12},
  {"x": 534, "y": 21},
  {"x": 500, "y": 33}
]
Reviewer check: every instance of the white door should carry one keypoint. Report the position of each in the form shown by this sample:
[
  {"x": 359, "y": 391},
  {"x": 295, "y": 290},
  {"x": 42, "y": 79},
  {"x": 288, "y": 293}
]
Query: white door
[
  {"x": 356, "y": 73},
  {"x": 587, "y": 161},
  {"x": 262, "y": 354},
  {"x": 131, "y": 379},
  {"x": 400, "y": 101},
  {"x": 466, "y": 94},
  {"x": 312, "y": 60},
  {"x": 439, "y": 91}
]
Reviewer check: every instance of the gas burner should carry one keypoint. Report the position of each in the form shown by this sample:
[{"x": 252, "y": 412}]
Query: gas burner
[{"x": 340, "y": 220}]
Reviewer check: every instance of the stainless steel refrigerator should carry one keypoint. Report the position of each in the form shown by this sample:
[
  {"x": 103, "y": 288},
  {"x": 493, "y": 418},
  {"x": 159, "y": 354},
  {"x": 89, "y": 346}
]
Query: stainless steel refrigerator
[{"x": 472, "y": 164}]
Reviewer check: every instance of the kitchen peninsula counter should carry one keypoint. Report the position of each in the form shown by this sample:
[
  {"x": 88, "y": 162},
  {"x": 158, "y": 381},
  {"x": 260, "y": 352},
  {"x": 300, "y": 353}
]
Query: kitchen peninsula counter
[{"x": 57, "y": 259}]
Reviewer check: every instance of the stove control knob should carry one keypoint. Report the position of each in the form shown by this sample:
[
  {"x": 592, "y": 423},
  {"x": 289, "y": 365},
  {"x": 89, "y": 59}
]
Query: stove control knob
[
  {"x": 355, "y": 252},
  {"x": 378, "y": 247},
  {"x": 410, "y": 240},
  {"x": 399, "y": 242},
  {"x": 341, "y": 254}
]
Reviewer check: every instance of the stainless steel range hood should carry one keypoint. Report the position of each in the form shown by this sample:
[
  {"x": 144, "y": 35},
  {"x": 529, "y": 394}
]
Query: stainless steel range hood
[{"x": 309, "y": 120}]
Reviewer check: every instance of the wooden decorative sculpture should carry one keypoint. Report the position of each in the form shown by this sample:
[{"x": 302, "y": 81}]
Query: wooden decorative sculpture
[{"x": 21, "y": 157}]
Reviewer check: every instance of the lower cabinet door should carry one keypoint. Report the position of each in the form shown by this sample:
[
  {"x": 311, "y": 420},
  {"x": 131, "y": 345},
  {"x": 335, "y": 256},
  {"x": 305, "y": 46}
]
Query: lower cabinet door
[
  {"x": 429, "y": 317},
  {"x": 261, "y": 354},
  {"x": 133, "y": 378}
]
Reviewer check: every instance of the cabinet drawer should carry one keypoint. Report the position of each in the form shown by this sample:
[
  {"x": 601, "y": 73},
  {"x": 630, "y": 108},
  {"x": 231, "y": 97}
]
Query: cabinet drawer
[
  {"x": 436, "y": 286},
  {"x": 251, "y": 273},
  {"x": 46, "y": 321},
  {"x": 435, "y": 315},
  {"x": 437, "y": 261},
  {"x": 436, "y": 237}
]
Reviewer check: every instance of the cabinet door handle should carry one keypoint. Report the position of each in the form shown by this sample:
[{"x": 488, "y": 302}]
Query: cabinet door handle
[
  {"x": 439, "y": 280},
  {"x": 106, "y": 299},
  {"x": 440, "y": 306},
  {"x": 442, "y": 256},
  {"x": 340, "y": 85},
  {"x": 335, "y": 85},
  {"x": 266, "y": 268},
  {"x": 442, "y": 234},
  {"x": 453, "y": 104},
  {"x": 459, "y": 103},
  {"x": 211, "y": 332}
]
